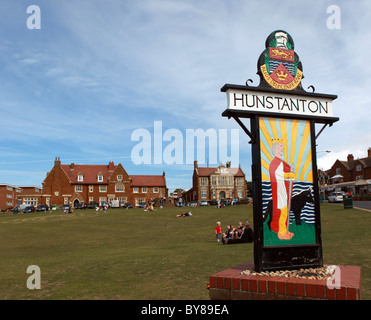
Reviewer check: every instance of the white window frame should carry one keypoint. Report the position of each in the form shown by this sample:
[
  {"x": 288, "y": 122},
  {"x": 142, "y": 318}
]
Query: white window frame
[
  {"x": 102, "y": 188},
  {"x": 144, "y": 189},
  {"x": 100, "y": 178},
  {"x": 122, "y": 189}
]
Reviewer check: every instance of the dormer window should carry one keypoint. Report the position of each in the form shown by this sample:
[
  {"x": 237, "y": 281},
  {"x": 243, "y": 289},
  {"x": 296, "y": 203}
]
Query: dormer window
[
  {"x": 80, "y": 177},
  {"x": 100, "y": 177}
]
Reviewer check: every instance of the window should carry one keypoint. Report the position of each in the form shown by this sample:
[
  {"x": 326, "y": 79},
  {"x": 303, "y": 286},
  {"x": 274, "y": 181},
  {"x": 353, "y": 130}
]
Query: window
[
  {"x": 119, "y": 178},
  {"x": 138, "y": 201},
  {"x": 78, "y": 188},
  {"x": 91, "y": 188},
  {"x": 359, "y": 168},
  {"x": 135, "y": 190},
  {"x": 119, "y": 187},
  {"x": 203, "y": 194},
  {"x": 122, "y": 200},
  {"x": 214, "y": 195},
  {"x": 203, "y": 181},
  {"x": 9, "y": 188},
  {"x": 239, "y": 181},
  {"x": 144, "y": 190},
  {"x": 337, "y": 170},
  {"x": 80, "y": 178},
  {"x": 222, "y": 181},
  {"x": 91, "y": 199},
  {"x": 359, "y": 177},
  {"x": 230, "y": 193},
  {"x": 100, "y": 178},
  {"x": 102, "y": 199},
  {"x": 230, "y": 181},
  {"x": 213, "y": 181},
  {"x": 240, "y": 193},
  {"x": 155, "y": 190},
  {"x": 9, "y": 196},
  {"x": 65, "y": 200},
  {"x": 102, "y": 188}
]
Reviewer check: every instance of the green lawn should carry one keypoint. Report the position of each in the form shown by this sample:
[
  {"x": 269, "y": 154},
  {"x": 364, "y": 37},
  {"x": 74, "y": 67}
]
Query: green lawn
[{"x": 132, "y": 254}]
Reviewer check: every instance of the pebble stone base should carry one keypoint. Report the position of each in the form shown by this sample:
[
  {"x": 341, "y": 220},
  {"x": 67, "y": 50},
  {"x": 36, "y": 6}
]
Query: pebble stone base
[{"x": 230, "y": 284}]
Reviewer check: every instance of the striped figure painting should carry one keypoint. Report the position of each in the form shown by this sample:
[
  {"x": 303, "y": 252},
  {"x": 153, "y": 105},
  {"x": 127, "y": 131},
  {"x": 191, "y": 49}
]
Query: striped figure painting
[{"x": 287, "y": 181}]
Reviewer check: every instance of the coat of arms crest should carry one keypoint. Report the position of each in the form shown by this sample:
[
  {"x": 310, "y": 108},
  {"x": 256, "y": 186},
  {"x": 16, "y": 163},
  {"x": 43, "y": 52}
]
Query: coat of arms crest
[{"x": 279, "y": 66}]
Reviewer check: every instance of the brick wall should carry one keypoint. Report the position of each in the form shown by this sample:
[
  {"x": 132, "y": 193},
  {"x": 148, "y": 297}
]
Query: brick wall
[{"x": 230, "y": 284}]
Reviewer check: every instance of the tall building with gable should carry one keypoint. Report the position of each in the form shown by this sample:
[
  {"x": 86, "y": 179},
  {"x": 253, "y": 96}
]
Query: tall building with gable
[{"x": 216, "y": 183}]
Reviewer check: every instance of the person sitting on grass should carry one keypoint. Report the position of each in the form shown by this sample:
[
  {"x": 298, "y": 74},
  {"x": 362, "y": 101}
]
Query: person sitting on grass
[
  {"x": 229, "y": 234},
  {"x": 247, "y": 236}
]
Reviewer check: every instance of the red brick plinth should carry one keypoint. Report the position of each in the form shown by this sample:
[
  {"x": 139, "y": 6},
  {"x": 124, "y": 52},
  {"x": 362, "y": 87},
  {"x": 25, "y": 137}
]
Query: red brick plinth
[{"x": 230, "y": 284}]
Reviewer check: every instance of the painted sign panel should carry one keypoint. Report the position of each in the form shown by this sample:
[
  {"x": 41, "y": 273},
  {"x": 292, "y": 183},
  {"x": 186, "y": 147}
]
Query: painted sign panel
[
  {"x": 258, "y": 101},
  {"x": 287, "y": 182}
]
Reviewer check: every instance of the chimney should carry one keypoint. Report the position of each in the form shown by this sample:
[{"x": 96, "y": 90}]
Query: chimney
[
  {"x": 72, "y": 166},
  {"x": 350, "y": 157},
  {"x": 57, "y": 162},
  {"x": 111, "y": 166},
  {"x": 369, "y": 152},
  {"x": 163, "y": 173},
  {"x": 228, "y": 164},
  {"x": 195, "y": 164}
]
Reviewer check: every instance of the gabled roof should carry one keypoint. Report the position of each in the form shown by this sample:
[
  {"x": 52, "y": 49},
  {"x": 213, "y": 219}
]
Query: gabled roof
[
  {"x": 148, "y": 181},
  {"x": 207, "y": 171},
  {"x": 89, "y": 171},
  {"x": 90, "y": 175}
]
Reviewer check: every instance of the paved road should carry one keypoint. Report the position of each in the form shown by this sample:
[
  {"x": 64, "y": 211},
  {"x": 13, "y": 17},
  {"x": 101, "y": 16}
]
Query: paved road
[
  {"x": 359, "y": 204},
  {"x": 362, "y": 204}
]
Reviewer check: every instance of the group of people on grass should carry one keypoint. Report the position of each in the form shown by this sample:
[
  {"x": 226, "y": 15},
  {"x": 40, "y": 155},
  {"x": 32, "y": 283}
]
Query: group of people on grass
[{"x": 242, "y": 234}]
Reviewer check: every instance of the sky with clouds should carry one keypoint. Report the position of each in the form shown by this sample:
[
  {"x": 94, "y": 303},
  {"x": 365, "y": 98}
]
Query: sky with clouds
[{"x": 97, "y": 71}]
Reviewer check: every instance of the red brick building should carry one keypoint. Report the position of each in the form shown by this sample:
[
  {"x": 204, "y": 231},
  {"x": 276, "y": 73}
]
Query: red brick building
[
  {"x": 11, "y": 196},
  {"x": 73, "y": 183},
  {"x": 353, "y": 175},
  {"x": 217, "y": 183}
]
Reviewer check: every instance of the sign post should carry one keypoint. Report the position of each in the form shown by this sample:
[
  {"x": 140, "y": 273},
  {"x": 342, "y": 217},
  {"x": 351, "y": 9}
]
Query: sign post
[{"x": 284, "y": 169}]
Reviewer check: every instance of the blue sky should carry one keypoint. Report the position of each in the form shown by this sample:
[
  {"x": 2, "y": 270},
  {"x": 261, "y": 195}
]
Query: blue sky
[{"x": 98, "y": 70}]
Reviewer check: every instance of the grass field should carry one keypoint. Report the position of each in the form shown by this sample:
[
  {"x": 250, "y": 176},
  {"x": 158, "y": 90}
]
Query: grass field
[{"x": 132, "y": 254}]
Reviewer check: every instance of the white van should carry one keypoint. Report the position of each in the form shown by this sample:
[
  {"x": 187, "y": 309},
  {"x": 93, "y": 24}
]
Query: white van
[{"x": 115, "y": 204}]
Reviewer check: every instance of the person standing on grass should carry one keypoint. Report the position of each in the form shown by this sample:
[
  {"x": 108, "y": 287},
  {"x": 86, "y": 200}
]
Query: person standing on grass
[{"x": 218, "y": 231}]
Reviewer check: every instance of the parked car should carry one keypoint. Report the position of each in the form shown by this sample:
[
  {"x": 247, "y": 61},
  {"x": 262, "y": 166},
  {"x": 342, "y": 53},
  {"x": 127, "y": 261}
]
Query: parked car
[
  {"x": 66, "y": 207},
  {"x": 79, "y": 205},
  {"x": 142, "y": 205},
  {"x": 127, "y": 205},
  {"x": 336, "y": 196},
  {"x": 29, "y": 209},
  {"x": 42, "y": 207},
  {"x": 92, "y": 205},
  {"x": 54, "y": 207},
  {"x": 203, "y": 203},
  {"x": 213, "y": 202}
]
